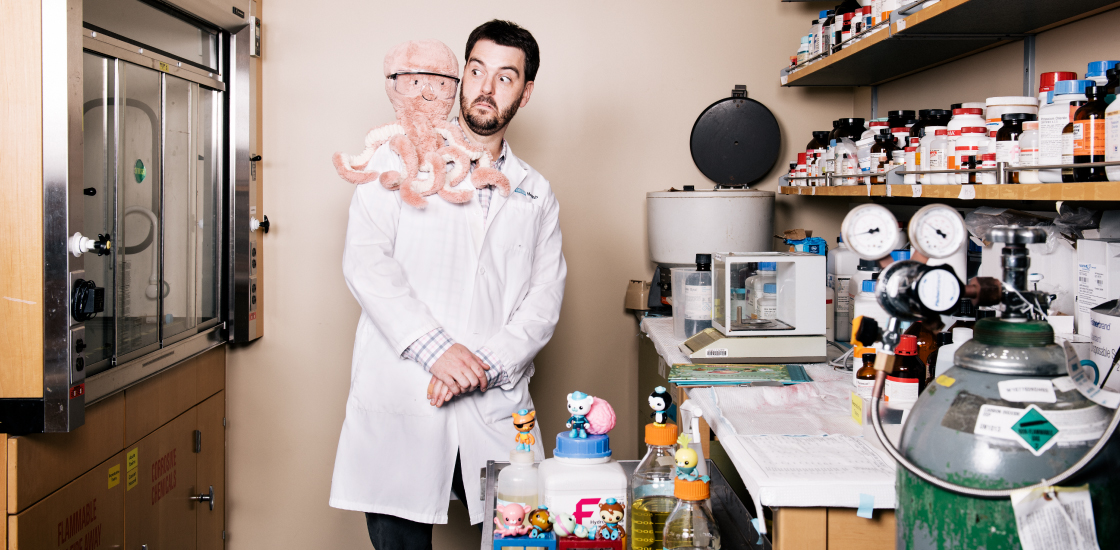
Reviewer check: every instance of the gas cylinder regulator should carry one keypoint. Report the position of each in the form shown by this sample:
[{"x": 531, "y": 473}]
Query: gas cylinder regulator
[{"x": 1019, "y": 343}]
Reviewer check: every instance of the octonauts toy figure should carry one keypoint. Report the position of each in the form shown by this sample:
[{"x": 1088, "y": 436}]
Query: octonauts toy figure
[
  {"x": 541, "y": 521},
  {"x": 511, "y": 520},
  {"x": 565, "y": 525},
  {"x": 524, "y": 420},
  {"x": 687, "y": 460},
  {"x": 611, "y": 512},
  {"x": 660, "y": 401},
  {"x": 579, "y": 404}
]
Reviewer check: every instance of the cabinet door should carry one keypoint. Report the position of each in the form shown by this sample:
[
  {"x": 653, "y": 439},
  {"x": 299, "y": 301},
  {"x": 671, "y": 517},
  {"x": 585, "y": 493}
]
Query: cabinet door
[
  {"x": 212, "y": 472},
  {"x": 86, "y": 513},
  {"x": 160, "y": 481}
]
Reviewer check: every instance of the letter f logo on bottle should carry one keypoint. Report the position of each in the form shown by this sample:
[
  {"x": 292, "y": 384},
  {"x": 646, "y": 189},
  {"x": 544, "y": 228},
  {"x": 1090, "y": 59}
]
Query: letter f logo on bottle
[{"x": 582, "y": 514}]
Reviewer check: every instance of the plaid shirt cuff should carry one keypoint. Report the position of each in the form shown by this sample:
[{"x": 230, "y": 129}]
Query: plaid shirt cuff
[
  {"x": 429, "y": 348},
  {"x": 496, "y": 376}
]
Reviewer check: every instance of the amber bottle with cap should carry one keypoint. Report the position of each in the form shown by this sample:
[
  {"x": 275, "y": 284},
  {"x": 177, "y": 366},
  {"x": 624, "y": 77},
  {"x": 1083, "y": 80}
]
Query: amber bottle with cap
[
  {"x": 1088, "y": 135},
  {"x": 908, "y": 379}
]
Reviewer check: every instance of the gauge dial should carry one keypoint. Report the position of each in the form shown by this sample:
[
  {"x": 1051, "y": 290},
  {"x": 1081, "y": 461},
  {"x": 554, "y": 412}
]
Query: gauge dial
[
  {"x": 939, "y": 290},
  {"x": 871, "y": 230},
  {"x": 937, "y": 231}
]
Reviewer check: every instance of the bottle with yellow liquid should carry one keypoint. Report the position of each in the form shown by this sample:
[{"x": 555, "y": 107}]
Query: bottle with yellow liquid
[
  {"x": 691, "y": 525},
  {"x": 651, "y": 488}
]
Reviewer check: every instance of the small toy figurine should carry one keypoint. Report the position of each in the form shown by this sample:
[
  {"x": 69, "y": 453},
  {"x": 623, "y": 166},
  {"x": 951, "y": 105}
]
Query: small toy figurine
[
  {"x": 579, "y": 404},
  {"x": 511, "y": 520},
  {"x": 564, "y": 525},
  {"x": 541, "y": 521},
  {"x": 611, "y": 513},
  {"x": 660, "y": 401},
  {"x": 524, "y": 420},
  {"x": 687, "y": 461}
]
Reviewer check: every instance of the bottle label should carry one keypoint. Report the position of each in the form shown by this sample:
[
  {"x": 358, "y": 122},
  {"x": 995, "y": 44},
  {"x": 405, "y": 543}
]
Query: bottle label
[
  {"x": 698, "y": 302},
  {"x": 1067, "y": 149},
  {"x": 954, "y": 133},
  {"x": 843, "y": 302},
  {"x": 1112, "y": 140},
  {"x": 1050, "y": 137},
  {"x": 863, "y": 388},
  {"x": 936, "y": 159},
  {"x": 1028, "y": 157},
  {"x": 901, "y": 389},
  {"x": 1008, "y": 151},
  {"x": 768, "y": 311},
  {"x": 1088, "y": 136}
]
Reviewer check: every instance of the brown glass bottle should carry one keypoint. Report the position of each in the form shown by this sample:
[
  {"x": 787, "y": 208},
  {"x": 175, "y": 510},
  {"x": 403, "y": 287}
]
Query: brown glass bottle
[
  {"x": 926, "y": 340},
  {"x": 1007, "y": 141},
  {"x": 865, "y": 375},
  {"x": 881, "y": 156},
  {"x": 1069, "y": 141},
  {"x": 908, "y": 379},
  {"x": 1088, "y": 135}
]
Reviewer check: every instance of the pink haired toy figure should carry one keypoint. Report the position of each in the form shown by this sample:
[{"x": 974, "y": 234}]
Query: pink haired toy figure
[
  {"x": 511, "y": 520},
  {"x": 421, "y": 78}
]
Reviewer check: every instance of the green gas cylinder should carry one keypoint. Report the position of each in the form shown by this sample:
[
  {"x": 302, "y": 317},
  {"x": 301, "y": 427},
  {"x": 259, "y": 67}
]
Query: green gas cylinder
[{"x": 965, "y": 431}]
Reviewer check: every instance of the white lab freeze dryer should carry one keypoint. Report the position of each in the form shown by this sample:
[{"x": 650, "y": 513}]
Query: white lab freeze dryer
[{"x": 682, "y": 224}]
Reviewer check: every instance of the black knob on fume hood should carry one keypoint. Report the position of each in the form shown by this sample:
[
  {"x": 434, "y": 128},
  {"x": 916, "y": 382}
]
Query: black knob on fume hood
[
  {"x": 89, "y": 191},
  {"x": 265, "y": 224}
]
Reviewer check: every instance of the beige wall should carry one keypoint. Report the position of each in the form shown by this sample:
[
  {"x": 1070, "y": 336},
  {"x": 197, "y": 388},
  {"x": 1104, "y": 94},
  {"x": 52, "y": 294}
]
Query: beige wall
[{"x": 620, "y": 86}]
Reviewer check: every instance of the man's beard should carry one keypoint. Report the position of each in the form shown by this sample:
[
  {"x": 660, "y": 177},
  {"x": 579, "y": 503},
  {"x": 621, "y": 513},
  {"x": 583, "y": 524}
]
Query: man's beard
[{"x": 484, "y": 125}]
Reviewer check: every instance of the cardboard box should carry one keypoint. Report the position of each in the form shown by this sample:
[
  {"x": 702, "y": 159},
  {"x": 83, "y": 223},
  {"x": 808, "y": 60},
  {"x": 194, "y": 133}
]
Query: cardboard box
[{"x": 1098, "y": 277}]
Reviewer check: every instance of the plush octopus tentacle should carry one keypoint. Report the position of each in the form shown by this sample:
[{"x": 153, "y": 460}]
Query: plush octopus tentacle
[
  {"x": 352, "y": 168},
  {"x": 413, "y": 192},
  {"x": 485, "y": 175},
  {"x": 404, "y": 148},
  {"x": 461, "y": 162}
]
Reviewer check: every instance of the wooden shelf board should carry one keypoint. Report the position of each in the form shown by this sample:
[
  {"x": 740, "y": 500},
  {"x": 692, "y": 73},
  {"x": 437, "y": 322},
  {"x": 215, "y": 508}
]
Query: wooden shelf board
[
  {"x": 908, "y": 47},
  {"x": 1102, "y": 191}
]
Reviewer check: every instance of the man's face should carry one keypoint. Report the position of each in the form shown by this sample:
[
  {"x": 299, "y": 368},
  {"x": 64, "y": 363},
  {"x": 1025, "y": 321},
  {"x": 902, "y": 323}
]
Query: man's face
[{"x": 493, "y": 88}]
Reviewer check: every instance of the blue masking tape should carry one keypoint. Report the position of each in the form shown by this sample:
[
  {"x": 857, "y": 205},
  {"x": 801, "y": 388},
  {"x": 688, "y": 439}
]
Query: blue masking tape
[
  {"x": 866, "y": 506},
  {"x": 754, "y": 522}
]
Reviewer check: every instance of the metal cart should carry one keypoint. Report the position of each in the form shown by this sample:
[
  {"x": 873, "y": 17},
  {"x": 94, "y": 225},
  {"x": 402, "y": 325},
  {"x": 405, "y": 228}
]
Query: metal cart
[{"x": 735, "y": 528}]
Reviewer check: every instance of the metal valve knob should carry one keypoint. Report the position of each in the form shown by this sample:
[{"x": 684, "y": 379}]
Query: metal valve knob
[
  {"x": 205, "y": 497},
  {"x": 255, "y": 224},
  {"x": 1016, "y": 234}
]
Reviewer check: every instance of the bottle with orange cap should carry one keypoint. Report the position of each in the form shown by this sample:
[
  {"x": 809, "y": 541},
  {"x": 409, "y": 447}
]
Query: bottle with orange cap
[
  {"x": 691, "y": 524},
  {"x": 651, "y": 485}
]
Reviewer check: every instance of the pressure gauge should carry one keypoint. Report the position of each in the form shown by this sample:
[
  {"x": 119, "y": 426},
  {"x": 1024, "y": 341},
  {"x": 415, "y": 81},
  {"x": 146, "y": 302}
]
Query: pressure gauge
[
  {"x": 871, "y": 230},
  {"x": 937, "y": 231}
]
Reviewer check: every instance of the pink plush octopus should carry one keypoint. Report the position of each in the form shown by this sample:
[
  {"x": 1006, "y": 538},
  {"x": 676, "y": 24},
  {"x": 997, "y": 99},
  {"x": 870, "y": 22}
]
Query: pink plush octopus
[
  {"x": 511, "y": 520},
  {"x": 435, "y": 153}
]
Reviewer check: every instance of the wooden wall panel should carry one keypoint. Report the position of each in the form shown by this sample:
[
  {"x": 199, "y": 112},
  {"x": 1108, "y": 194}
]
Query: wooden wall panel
[
  {"x": 21, "y": 199},
  {"x": 154, "y": 402}
]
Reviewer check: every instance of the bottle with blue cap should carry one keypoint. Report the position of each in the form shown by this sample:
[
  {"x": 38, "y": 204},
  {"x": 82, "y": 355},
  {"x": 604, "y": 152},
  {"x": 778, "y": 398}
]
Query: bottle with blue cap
[
  {"x": 767, "y": 273},
  {"x": 768, "y": 303},
  {"x": 582, "y": 476},
  {"x": 1097, "y": 71},
  {"x": 1052, "y": 120}
]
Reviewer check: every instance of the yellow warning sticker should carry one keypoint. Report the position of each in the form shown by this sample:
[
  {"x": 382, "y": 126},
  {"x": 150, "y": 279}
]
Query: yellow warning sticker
[
  {"x": 164, "y": 67},
  {"x": 857, "y": 408},
  {"x": 946, "y": 381},
  {"x": 133, "y": 478},
  {"x": 133, "y": 458},
  {"x": 114, "y": 475}
]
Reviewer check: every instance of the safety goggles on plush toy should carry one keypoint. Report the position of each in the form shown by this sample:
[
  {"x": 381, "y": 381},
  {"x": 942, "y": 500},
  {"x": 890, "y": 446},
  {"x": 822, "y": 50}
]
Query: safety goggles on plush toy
[{"x": 412, "y": 83}]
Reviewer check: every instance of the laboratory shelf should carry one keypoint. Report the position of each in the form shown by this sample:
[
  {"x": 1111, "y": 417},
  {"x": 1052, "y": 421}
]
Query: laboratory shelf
[
  {"x": 1099, "y": 191},
  {"x": 943, "y": 32}
]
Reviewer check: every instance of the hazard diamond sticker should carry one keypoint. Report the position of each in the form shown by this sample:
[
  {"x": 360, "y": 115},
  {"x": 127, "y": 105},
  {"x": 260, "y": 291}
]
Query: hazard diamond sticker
[{"x": 1036, "y": 432}]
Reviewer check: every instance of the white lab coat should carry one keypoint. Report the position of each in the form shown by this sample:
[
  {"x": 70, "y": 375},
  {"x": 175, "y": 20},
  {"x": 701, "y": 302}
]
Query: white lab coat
[{"x": 497, "y": 285}]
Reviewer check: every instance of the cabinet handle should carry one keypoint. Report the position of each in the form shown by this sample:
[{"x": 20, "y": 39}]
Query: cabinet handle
[{"x": 205, "y": 497}]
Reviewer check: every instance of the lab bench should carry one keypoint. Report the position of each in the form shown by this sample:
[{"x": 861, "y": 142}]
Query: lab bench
[
  {"x": 733, "y": 517},
  {"x": 813, "y": 501}
]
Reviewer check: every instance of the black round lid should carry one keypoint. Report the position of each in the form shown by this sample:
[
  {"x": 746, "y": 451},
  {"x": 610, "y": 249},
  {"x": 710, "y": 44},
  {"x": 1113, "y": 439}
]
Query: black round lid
[
  {"x": 1008, "y": 117},
  {"x": 944, "y": 338},
  {"x": 703, "y": 259},
  {"x": 955, "y": 106},
  {"x": 1096, "y": 91},
  {"x": 851, "y": 121},
  {"x": 821, "y": 135},
  {"x": 883, "y": 137},
  {"x": 923, "y": 113},
  {"x": 900, "y": 114},
  {"x": 735, "y": 141},
  {"x": 931, "y": 113}
]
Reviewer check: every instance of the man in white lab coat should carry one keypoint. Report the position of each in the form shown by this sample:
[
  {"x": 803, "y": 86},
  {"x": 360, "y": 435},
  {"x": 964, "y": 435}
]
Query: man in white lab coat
[{"x": 457, "y": 299}]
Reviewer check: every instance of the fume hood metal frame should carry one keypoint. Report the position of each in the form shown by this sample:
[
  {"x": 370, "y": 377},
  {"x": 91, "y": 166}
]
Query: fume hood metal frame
[{"x": 66, "y": 389}]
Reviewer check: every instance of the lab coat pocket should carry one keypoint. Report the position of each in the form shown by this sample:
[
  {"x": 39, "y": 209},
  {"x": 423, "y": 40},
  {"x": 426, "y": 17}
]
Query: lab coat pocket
[
  {"x": 392, "y": 386},
  {"x": 498, "y": 405}
]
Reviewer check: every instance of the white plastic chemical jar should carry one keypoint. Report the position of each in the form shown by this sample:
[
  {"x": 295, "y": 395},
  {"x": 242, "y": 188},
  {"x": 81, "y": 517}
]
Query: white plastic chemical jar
[
  {"x": 911, "y": 164},
  {"x": 1028, "y": 151},
  {"x": 874, "y": 128},
  {"x": 579, "y": 477},
  {"x": 975, "y": 105},
  {"x": 517, "y": 483},
  {"x": 939, "y": 157},
  {"x": 999, "y": 106},
  {"x": 988, "y": 163},
  {"x": 972, "y": 141},
  {"x": 964, "y": 117},
  {"x": 924, "y": 151},
  {"x": 1052, "y": 119}
]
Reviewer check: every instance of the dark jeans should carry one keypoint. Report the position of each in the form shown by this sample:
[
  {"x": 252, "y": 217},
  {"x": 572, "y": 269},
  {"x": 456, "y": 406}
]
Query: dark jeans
[{"x": 392, "y": 533}]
